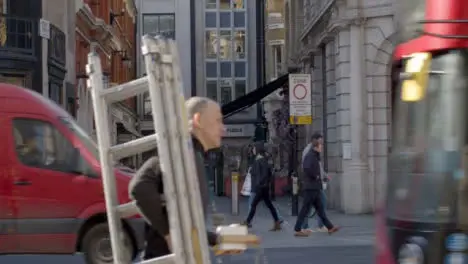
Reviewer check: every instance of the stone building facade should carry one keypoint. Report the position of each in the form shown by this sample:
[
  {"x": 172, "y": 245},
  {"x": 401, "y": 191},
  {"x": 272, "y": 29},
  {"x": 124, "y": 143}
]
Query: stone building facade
[{"x": 346, "y": 46}]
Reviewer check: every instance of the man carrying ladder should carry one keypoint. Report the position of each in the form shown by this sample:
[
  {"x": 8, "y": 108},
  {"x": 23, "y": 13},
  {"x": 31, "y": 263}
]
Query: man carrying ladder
[{"x": 183, "y": 201}]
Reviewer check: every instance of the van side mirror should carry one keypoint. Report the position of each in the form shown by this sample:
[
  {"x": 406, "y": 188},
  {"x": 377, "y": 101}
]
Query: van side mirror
[{"x": 415, "y": 77}]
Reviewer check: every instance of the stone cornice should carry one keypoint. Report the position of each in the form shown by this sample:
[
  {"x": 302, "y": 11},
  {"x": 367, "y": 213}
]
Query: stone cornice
[
  {"x": 107, "y": 37},
  {"x": 330, "y": 32},
  {"x": 310, "y": 25}
]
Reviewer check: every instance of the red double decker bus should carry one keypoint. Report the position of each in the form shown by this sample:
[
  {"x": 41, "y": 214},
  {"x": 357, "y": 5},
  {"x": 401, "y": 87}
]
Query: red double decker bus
[{"x": 424, "y": 219}]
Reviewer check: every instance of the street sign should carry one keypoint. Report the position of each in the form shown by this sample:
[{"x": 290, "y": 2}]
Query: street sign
[{"x": 300, "y": 99}]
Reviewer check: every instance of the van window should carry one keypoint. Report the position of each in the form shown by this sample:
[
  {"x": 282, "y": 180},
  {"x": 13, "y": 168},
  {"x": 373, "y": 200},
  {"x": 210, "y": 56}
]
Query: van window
[{"x": 39, "y": 144}]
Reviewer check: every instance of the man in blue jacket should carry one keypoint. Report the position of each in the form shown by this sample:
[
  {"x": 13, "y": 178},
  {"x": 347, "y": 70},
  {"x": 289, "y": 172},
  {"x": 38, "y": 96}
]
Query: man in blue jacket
[{"x": 312, "y": 188}]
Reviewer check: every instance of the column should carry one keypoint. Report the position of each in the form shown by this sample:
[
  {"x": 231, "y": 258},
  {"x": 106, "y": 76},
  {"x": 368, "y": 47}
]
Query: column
[{"x": 355, "y": 174}]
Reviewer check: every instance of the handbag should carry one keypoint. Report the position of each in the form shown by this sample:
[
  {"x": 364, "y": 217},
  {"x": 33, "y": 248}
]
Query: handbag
[{"x": 247, "y": 186}]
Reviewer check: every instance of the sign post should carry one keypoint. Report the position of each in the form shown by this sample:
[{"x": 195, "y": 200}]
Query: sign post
[
  {"x": 300, "y": 113},
  {"x": 300, "y": 99}
]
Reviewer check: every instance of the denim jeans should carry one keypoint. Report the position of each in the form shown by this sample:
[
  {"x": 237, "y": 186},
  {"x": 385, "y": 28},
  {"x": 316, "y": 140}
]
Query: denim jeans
[
  {"x": 251, "y": 198},
  {"x": 320, "y": 224}
]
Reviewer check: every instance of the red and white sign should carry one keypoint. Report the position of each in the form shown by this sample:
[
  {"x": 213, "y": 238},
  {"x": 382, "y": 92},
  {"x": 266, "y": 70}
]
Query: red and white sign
[{"x": 300, "y": 99}]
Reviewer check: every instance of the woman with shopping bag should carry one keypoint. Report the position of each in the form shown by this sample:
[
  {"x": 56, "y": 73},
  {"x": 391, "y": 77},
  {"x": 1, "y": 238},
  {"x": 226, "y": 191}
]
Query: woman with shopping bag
[{"x": 261, "y": 177}]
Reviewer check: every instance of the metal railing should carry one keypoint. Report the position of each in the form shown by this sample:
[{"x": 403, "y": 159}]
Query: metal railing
[{"x": 17, "y": 35}]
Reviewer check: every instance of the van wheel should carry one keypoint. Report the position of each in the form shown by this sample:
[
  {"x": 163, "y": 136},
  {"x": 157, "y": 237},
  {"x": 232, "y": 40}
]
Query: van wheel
[{"x": 96, "y": 245}]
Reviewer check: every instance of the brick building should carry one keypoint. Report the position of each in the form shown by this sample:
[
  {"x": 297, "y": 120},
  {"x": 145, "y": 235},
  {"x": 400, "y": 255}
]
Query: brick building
[{"x": 107, "y": 26}]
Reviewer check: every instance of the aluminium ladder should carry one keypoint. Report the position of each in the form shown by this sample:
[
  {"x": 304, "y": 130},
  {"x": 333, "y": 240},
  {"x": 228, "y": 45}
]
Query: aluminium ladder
[{"x": 163, "y": 81}]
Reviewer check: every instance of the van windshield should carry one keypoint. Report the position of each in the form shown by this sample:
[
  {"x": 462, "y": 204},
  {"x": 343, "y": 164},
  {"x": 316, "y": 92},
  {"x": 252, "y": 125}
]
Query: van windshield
[{"x": 82, "y": 135}]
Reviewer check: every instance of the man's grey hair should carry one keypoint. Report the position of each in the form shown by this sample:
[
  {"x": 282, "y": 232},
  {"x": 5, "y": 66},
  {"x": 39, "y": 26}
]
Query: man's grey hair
[{"x": 197, "y": 104}]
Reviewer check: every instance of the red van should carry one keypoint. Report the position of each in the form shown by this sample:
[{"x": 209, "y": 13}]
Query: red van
[{"x": 51, "y": 194}]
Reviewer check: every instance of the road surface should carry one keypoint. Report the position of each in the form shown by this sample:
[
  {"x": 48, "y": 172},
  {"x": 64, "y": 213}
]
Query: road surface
[
  {"x": 352, "y": 245},
  {"x": 298, "y": 255}
]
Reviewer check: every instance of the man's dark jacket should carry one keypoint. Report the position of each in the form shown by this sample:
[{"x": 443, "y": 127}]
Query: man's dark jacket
[
  {"x": 146, "y": 188},
  {"x": 312, "y": 174}
]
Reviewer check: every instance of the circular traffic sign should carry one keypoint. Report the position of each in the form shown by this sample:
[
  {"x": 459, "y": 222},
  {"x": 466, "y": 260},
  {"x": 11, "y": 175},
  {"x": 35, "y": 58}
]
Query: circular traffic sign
[{"x": 299, "y": 91}]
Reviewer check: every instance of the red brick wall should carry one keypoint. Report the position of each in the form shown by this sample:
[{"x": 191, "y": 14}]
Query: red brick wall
[{"x": 125, "y": 31}]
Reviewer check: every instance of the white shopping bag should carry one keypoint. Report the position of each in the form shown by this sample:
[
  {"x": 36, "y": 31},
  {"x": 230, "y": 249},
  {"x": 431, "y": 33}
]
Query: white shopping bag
[{"x": 247, "y": 186}]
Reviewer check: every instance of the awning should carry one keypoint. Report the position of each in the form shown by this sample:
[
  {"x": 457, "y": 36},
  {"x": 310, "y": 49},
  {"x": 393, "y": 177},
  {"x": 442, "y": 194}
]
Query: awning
[{"x": 253, "y": 97}]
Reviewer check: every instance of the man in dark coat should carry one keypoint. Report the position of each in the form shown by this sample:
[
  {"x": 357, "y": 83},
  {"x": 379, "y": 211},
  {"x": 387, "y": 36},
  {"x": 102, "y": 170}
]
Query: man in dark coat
[
  {"x": 312, "y": 188},
  {"x": 146, "y": 187}
]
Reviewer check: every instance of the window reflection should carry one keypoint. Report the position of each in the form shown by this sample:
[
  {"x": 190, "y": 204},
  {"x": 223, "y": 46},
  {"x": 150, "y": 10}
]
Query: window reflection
[
  {"x": 157, "y": 24},
  {"x": 212, "y": 90},
  {"x": 240, "y": 88},
  {"x": 224, "y": 4},
  {"x": 226, "y": 93},
  {"x": 238, "y": 4},
  {"x": 240, "y": 43},
  {"x": 210, "y": 4},
  {"x": 211, "y": 44},
  {"x": 225, "y": 44}
]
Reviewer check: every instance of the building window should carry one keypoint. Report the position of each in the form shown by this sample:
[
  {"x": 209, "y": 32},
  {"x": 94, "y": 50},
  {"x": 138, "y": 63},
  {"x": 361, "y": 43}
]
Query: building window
[
  {"x": 225, "y": 19},
  {"x": 239, "y": 69},
  {"x": 226, "y": 69},
  {"x": 55, "y": 92},
  {"x": 277, "y": 59},
  {"x": 224, "y": 4},
  {"x": 225, "y": 44},
  {"x": 239, "y": 19},
  {"x": 238, "y": 4},
  {"x": 226, "y": 91},
  {"x": 211, "y": 44},
  {"x": 211, "y": 70},
  {"x": 105, "y": 81},
  {"x": 240, "y": 88},
  {"x": 159, "y": 24},
  {"x": 212, "y": 90},
  {"x": 210, "y": 4},
  {"x": 210, "y": 19},
  {"x": 15, "y": 79},
  {"x": 240, "y": 44},
  {"x": 3, "y": 6}
]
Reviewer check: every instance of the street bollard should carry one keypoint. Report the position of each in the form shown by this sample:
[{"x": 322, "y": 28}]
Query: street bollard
[
  {"x": 295, "y": 198},
  {"x": 234, "y": 193}
]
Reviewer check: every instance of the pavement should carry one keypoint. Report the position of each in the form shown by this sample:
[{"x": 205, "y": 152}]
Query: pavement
[{"x": 353, "y": 244}]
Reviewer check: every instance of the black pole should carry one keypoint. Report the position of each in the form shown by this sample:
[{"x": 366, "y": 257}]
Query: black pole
[
  {"x": 294, "y": 174},
  {"x": 260, "y": 46}
]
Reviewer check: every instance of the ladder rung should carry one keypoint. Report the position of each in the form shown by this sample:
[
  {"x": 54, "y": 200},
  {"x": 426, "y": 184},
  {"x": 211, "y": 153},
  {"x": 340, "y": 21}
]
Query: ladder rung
[
  {"x": 168, "y": 259},
  {"x": 125, "y": 90},
  {"x": 133, "y": 147},
  {"x": 127, "y": 210}
]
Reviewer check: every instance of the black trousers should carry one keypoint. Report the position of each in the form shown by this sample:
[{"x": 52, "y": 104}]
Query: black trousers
[
  {"x": 312, "y": 198},
  {"x": 262, "y": 194},
  {"x": 156, "y": 245}
]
